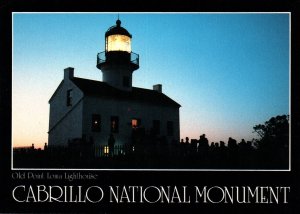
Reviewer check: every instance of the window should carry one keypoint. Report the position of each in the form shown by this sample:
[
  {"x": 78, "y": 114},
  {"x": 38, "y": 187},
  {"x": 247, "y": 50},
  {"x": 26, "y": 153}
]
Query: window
[
  {"x": 126, "y": 81},
  {"x": 135, "y": 123},
  {"x": 156, "y": 126},
  {"x": 69, "y": 97},
  {"x": 106, "y": 150},
  {"x": 96, "y": 123},
  {"x": 170, "y": 128},
  {"x": 114, "y": 124}
]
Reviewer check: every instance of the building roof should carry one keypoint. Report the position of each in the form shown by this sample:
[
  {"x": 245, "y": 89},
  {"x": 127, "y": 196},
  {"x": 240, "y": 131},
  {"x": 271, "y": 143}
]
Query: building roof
[{"x": 102, "y": 89}]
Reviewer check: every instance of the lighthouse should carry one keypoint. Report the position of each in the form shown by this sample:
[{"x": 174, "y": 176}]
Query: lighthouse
[
  {"x": 84, "y": 110},
  {"x": 118, "y": 62}
]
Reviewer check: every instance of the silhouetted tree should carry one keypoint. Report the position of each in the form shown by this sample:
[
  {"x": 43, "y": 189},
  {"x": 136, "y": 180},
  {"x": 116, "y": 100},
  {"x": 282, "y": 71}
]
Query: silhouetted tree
[
  {"x": 273, "y": 141},
  {"x": 273, "y": 133}
]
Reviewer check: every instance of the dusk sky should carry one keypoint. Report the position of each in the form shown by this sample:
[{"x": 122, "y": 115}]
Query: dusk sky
[{"x": 228, "y": 71}]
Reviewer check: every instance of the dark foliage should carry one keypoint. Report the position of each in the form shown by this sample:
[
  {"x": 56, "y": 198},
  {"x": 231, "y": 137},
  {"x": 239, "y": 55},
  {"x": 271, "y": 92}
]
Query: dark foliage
[{"x": 273, "y": 144}]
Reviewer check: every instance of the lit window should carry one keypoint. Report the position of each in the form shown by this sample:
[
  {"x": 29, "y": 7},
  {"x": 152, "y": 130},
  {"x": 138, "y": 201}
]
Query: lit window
[
  {"x": 114, "y": 124},
  {"x": 118, "y": 43},
  {"x": 170, "y": 128},
  {"x": 106, "y": 150},
  {"x": 96, "y": 123},
  {"x": 135, "y": 123},
  {"x": 69, "y": 97}
]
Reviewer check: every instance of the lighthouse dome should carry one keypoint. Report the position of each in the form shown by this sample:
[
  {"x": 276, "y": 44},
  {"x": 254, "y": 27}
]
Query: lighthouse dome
[
  {"x": 117, "y": 39},
  {"x": 117, "y": 30}
]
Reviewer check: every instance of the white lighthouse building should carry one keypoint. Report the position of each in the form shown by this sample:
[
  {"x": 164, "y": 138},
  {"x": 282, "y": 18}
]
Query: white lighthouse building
[{"x": 93, "y": 110}]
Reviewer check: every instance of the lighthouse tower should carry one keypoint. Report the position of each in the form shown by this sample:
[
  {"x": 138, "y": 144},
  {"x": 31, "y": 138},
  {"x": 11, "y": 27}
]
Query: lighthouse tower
[
  {"x": 88, "y": 109},
  {"x": 118, "y": 62}
]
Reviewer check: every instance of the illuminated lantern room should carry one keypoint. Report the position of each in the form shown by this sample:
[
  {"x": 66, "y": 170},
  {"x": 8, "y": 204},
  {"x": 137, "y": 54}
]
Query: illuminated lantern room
[
  {"x": 117, "y": 39},
  {"x": 118, "y": 62}
]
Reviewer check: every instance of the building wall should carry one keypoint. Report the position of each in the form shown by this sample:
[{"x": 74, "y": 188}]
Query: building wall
[
  {"x": 113, "y": 75},
  {"x": 126, "y": 111},
  {"x": 65, "y": 121}
]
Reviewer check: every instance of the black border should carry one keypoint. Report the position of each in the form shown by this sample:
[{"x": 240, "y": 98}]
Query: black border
[{"x": 148, "y": 178}]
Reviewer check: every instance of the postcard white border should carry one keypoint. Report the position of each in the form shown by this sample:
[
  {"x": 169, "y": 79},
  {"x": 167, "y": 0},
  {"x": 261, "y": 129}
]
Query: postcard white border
[{"x": 158, "y": 170}]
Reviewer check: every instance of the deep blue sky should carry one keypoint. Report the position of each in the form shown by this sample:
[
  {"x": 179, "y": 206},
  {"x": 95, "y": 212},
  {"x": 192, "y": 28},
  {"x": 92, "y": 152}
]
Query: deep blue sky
[{"x": 228, "y": 71}]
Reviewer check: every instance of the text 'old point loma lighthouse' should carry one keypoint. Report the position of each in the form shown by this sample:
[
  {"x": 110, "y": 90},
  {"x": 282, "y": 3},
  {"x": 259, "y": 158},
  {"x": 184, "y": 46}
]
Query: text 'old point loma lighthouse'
[{"x": 83, "y": 110}]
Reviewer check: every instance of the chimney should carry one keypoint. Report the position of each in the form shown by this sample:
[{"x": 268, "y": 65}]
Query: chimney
[
  {"x": 68, "y": 73},
  {"x": 158, "y": 88}
]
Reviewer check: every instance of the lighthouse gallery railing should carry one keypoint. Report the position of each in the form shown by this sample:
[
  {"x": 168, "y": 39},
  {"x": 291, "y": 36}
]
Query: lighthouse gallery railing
[{"x": 101, "y": 58}]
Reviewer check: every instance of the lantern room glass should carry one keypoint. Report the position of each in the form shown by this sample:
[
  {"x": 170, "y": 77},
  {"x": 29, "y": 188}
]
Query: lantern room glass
[{"x": 118, "y": 42}]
